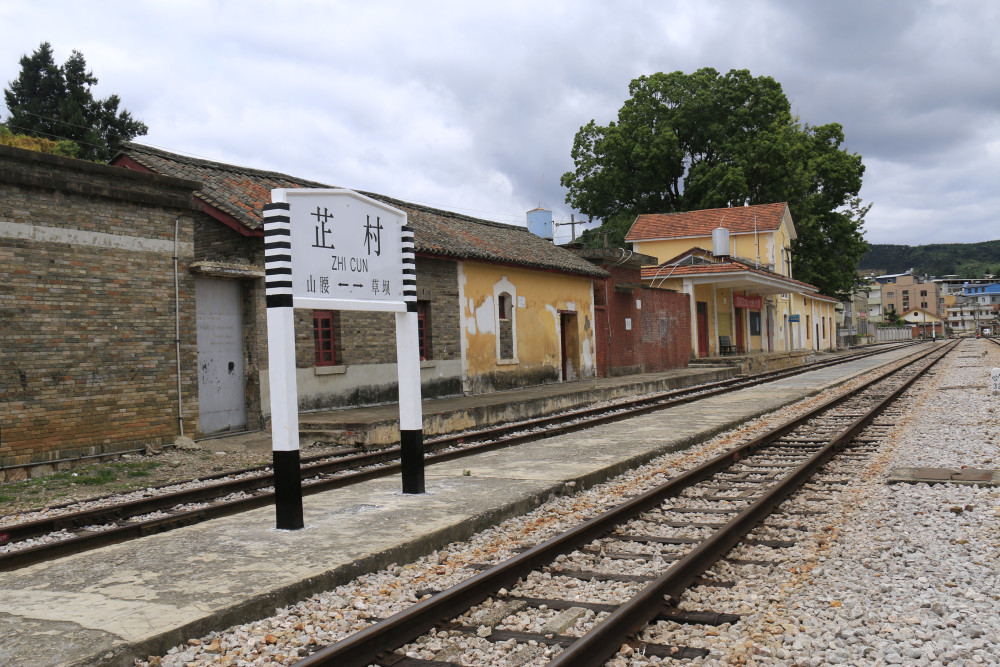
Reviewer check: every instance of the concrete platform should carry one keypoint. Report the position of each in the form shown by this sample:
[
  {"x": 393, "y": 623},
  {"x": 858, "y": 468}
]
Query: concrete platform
[
  {"x": 379, "y": 425},
  {"x": 111, "y": 605}
]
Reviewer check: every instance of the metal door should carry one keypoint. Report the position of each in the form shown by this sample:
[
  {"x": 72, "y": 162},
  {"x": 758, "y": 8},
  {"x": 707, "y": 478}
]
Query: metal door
[{"x": 221, "y": 376}]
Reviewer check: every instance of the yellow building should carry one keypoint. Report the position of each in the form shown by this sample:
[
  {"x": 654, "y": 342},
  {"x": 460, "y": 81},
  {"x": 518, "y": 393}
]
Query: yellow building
[
  {"x": 523, "y": 326},
  {"x": 743, "y": 296}
]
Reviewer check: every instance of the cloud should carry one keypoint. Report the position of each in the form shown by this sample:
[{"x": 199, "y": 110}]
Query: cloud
[{"x": 474, "y": 106}]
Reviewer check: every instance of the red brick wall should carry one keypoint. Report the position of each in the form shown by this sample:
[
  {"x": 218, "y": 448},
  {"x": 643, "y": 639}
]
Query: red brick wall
[{"x": 660, "y": 334}]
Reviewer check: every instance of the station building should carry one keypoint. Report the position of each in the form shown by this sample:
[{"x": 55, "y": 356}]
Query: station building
[
  {"x": 133, "y": 308},
  {"x": 743, "y": 298}
]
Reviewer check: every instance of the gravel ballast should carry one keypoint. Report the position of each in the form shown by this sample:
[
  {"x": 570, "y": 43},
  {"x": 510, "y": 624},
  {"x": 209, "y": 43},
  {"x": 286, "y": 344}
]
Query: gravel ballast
[{"x": 886, "y": 574}]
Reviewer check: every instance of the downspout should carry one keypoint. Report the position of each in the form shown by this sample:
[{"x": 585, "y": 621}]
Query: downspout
[
  {"x": 609, "y": 283},
  {"x": 177, "y": 328}
]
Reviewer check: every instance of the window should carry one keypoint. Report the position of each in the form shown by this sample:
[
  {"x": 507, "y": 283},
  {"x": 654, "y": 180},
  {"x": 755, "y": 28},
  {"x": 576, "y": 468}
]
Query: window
[
  {"x": 754, "y": 322},
  {"x": 808, "y": 325},
  {"x": 890, "y": 295},
  {"x": 923, "y": 304},
  {"x": 503, "y": 306},
  {"x": 923, "y": 292},
  {"x": 906, "y": 293},
  {"x": 423, "y": 329},
  {"x": 323, "y": 337},
  {"x": 506, "y": 332}
]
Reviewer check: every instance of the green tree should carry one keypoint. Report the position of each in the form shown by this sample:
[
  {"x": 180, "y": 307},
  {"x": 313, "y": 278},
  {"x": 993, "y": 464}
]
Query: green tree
[
  {"x": 893, "y": 319},
  {"x": 53, "y": 102},
  {"x": 684, "y": 142}
]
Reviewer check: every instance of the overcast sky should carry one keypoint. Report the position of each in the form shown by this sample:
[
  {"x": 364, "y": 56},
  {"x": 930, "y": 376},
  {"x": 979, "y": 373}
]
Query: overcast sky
[{"x": 473, "y": 106}]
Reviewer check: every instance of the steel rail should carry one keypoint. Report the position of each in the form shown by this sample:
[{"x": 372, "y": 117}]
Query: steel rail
[
  {"x": 603, "y": 641},
  {"x": 387, "y": 460},
  {"x": 365, "y": 646}
]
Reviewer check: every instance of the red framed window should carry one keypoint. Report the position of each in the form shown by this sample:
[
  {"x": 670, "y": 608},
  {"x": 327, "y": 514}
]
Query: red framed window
[{"x": 323, "y": 337}]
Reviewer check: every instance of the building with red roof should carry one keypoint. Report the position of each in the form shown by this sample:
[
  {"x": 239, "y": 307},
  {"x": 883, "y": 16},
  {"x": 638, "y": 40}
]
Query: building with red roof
[{"x": 742, "y": 293}]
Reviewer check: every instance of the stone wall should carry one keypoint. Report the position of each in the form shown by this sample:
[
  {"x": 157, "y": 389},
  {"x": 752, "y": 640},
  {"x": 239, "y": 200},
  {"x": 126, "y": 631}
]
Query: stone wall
[{"x": 87, "y": 308}]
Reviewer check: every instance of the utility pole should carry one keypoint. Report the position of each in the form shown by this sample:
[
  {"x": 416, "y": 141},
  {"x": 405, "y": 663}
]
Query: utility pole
[{"x": 572, "y": 226}]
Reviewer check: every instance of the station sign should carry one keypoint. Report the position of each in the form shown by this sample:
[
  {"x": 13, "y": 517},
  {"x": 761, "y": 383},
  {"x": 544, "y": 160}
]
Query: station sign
[
  {"x": 350, "y": 252},
  {"x": 339, "y": 250}
]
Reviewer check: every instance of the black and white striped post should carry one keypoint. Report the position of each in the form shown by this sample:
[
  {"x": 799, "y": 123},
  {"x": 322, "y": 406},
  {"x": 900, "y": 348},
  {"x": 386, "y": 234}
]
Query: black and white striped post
[
  {"x": 411, "y": 434},
  {"x": 281, "y": 366},
  {"x": 336, "y": 250}
]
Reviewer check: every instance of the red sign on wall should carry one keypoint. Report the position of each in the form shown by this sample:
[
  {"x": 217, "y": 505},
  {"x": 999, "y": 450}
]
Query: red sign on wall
[{"x": 751, "y": 302}]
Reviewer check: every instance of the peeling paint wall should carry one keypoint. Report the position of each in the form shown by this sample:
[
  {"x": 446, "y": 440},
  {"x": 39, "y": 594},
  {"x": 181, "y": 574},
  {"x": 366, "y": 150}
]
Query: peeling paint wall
[{"x": 537, "y": 300}]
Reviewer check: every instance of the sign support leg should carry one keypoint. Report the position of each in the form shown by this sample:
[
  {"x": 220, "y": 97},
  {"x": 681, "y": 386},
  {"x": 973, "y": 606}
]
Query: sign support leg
[
  {"x": 411, "y": 434},
  {"x": 284, "y": 419}
]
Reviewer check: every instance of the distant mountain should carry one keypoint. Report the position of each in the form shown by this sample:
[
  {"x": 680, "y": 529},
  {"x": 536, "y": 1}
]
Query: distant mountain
[{"x": 966, "y": 260}]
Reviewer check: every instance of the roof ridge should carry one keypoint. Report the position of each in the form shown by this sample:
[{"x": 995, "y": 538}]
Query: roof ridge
[
  {"x": 215, "y": 164},
  {"x": 720, "y": 208},
  {"x": 251, "y": 171}
]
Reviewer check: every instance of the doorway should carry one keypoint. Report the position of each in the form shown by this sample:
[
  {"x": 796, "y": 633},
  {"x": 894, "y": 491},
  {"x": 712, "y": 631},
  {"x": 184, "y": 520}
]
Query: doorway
[
  {"x": 221, "y": 373},
  {"x": 740, "y": 335},
  {"x": 701, "y": 308},
  {"x": 569, "y": 344}
]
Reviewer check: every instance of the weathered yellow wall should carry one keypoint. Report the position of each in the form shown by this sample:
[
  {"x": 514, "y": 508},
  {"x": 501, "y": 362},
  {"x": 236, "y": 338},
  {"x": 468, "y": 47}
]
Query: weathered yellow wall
[
  {"x": 724, "y": 304},
  {"x": 536, "y": 325},
  {"x": 765, "y": 246},
  {"x": 664, "y": 250}
]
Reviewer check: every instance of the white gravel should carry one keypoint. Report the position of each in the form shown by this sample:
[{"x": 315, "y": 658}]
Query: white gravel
[{"x": 887, "y": 574}]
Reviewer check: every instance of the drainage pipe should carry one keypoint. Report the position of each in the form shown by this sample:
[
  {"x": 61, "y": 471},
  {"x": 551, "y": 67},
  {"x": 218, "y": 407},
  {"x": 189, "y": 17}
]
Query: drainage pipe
[{"x": 177, "y": 329}]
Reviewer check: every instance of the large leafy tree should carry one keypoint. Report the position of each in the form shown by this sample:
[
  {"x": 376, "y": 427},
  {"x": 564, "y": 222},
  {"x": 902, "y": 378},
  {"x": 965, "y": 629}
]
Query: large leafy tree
[
  {"x": 684, "y": 142},
  {"x": 55, "y": 102}
]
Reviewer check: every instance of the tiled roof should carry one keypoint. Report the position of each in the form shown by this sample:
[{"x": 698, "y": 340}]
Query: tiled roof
[
  {"x": 731, "y": 266},
  {"x": 738, "y": 219},
  {"x": 241, "y": 193}
]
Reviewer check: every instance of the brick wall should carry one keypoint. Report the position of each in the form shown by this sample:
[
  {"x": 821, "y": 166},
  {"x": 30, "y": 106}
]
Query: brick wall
[
  {"x": 370, "y": 338},
  {"x": 666, "y": 329},
  {"x": 87, "y": 353},
  {"x": 660, "y": 334}
]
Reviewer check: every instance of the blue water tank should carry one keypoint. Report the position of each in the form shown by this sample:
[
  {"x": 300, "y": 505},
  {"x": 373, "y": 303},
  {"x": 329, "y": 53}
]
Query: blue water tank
[{"x": 540, "y": 223}]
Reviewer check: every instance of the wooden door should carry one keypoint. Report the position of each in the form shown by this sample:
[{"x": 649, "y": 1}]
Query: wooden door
[{"x": 702, "y": 310}]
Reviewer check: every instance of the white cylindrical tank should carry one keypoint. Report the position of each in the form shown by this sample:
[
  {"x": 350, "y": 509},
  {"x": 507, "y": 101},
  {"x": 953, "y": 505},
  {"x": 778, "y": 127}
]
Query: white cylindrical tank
[{"x": 720, "y": 242}]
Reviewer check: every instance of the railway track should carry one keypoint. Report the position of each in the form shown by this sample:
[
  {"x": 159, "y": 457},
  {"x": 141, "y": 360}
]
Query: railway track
[
  {"x": 103, "y": 522},
  {"x": 668, "y": 539}
]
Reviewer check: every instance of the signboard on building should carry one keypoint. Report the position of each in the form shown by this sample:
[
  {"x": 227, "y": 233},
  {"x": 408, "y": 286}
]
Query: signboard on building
[
  {"x": 749, "y": 302},
  {"x": 794, "y": 318}
]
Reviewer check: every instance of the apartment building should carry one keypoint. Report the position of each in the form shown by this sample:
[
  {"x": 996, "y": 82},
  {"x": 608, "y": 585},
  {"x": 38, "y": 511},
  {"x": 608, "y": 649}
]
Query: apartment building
[{"x": 903, "y": 291}]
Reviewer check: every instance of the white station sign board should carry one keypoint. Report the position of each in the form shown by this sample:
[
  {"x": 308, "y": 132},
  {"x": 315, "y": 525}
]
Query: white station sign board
[
  {"x": 339, "y": 250},
  {"x": 351, "y": 252}
]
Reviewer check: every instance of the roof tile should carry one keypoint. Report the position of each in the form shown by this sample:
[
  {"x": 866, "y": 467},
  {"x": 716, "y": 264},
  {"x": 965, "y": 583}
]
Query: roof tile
[
  {"x": 737, "y": 219},
  {"x": 241, "y": 192}
]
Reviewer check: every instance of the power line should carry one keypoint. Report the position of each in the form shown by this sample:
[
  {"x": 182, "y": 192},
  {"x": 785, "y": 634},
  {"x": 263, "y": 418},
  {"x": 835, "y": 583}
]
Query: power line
[
  {"x": 57, "y": 120},
  {"x": 54, "y": 136}
]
